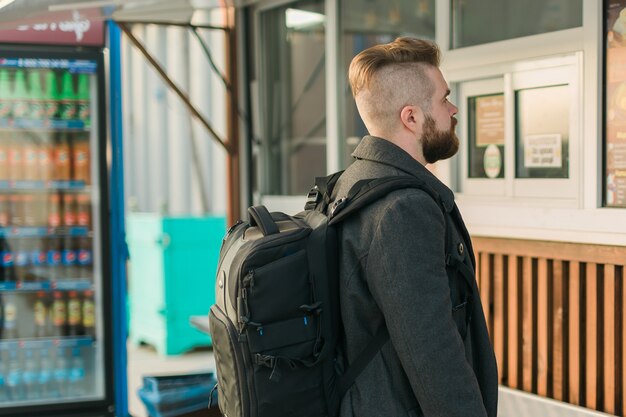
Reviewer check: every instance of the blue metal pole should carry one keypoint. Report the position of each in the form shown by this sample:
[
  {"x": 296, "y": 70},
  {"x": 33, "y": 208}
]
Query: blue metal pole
[{"x": 119, "y": 250}]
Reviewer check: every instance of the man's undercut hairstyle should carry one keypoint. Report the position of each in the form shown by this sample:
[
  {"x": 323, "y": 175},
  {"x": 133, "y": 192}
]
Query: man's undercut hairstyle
[{"x": 385, "y": 78}]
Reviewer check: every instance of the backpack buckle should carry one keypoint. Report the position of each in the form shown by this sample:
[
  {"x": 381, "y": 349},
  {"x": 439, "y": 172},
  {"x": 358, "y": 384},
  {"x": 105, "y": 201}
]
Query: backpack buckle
[
  {"x": 312, "y": 198},
  {"x": 265, "y": 360},
  {"x": 338, "y": 205}
]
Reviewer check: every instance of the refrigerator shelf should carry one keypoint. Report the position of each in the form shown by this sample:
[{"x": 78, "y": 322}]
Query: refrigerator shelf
[
  {"x": 62, "y": 342},
  {"x": 77, "y": 231},
  {"x": 50, "y": 124},
  {"x": 56, "y": 185},
  {"x": 80, "y": 284}
]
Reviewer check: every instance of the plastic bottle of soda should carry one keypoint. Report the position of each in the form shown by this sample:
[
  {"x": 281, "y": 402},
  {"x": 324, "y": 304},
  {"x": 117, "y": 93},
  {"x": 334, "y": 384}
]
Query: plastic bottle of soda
[
  {"x": 76, "y": 377},
  {"x": 4, "y": 155},
  {"x": 54, "y": 210},
  {"x": 9, "y": 329},
  {"x": 67, "y": 108},
  {"x": 16, "y": 210},
  {"x": 89, "y": 314},
  {"x": 15, "y": 373},
  {"x": 52, "y": 97},
  {"x": 80, "y": 161},
  {"x": 69, "y": 258},
  {"x": 84, "y": 99},
  {"x": 21, "y": 103},
  {"x": 61, "y": 371},
  {"x": 37, "y": 103},
  {"x": 46, "y": 160},
  {"x": 83, "y": 210},
  {"x": 30, "y": 160},
  {"x": 6, "y": 95},
  {"x": 85, "y": 257},
  {"x": 53, "y": 258},
  {"x": 21, "y": 260},
  {"x": 62, "y": 159},
  {"x": 29, "y": 209},
  {"x": 69, "y": 210},
  {"x": 15, "y": 158},
  {"x": 4, "y": 211},
  {"x": 38, "y": 259},
  {"x": 29, "y": 377},
  {"x": 6, "y": 261},
  {"x": 59, "y": 314},
  {"x": 40, "y": 310},
  {"x": 46, "y": 368},
  {"x": 74, "y": 318}
]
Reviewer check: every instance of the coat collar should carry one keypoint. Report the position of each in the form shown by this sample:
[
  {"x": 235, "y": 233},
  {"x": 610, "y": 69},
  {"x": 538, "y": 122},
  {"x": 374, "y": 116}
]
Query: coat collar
[{"x": 375, "y": 149}]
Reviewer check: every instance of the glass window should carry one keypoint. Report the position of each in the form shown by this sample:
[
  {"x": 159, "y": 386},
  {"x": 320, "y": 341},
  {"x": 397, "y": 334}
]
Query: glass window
[
  {"x": 294, "y": 97},
  {"x": 364, "y": 23},
  {"x": 542, "y": 132},
  {"x": 475, "y": 22},
  {"x": 486, "y": 136},
  {"x": 615, "y": 150}
]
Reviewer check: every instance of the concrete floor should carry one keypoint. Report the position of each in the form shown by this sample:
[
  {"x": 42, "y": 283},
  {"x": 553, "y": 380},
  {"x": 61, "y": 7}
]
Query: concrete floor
[{"x": 144, "y": 360}]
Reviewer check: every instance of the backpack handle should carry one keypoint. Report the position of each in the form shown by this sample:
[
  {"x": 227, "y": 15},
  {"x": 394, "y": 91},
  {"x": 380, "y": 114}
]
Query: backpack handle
[{"x": 259, "y": 216}]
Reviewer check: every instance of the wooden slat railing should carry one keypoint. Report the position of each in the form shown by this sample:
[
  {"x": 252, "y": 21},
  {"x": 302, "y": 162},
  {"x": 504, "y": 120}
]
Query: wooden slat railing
[{"x": 556, "y": 314}]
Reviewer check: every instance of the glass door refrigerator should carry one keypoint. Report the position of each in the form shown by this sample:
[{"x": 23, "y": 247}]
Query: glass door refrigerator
[{"x": 55, "y": 348}]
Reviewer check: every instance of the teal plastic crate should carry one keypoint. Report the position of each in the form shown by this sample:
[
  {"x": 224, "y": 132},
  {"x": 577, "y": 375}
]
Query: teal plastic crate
[{"x": 171, "y": 278}]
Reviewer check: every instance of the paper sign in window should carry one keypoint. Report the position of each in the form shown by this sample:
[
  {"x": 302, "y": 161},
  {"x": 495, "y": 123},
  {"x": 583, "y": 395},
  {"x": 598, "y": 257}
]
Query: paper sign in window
[
  {"x": 543, "y": 151},
  {"x": 490, "y": 120}
]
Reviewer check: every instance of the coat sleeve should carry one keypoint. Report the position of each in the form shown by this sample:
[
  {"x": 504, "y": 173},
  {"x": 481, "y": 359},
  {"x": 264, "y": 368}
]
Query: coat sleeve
[{"x": 407, "y": 276}]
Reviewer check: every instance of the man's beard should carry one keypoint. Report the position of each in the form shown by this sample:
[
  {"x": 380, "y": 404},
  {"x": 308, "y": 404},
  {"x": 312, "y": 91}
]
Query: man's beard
[{"x": 438, "y": 144}]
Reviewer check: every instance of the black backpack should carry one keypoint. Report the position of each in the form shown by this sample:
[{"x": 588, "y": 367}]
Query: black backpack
[{"x": 276, "y": 322}]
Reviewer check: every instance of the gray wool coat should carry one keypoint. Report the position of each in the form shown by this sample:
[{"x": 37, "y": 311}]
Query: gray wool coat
[{"x": 393, "y": 270}]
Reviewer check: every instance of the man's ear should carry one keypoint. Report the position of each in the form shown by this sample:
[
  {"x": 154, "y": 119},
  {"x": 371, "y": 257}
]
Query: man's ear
[{"x": 412, "y": 118}]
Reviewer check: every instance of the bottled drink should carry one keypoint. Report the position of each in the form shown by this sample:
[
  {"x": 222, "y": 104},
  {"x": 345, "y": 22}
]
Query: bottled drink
[
  {"x": 30, "y": 160},
  {"x": 54, "y": 210},
  {"x": 36, "y": 96},
  {"x": 80, "y": 160},
  {"x": 15, "y": 377},
  {"x": 69, "y": 210},
  {"x": 20, "y": 96},
  {"x": 62, "y": 161},
  {"x": 40, "y": 310},
  {"x": 22, "y": 259},
  {"x": 76, "y": 377},
  {"x": 84, "y": 257},
  {"x": 46, "y": 368},
  {"x": 53, "y": 258},
  {"x": 38, "y": 258},
  {"x": 67, "y": 108},
  {"x": 6, "y": 95},
  {"x": 83, "y": 99},
  {"x": 29, "y": 377},
  {"x": 4, "y": 393},
  {"x": 15, "y": 156},
  {"x": 16, "y": 208},
  {"x": 74, "y": 319},
  {"x": 83, "y": 210},
  {"x": 4, "y": 155},
  {"x": 40, "y": 202},
  {"x": 29, "y": 209},
  {"x": 68, "y": 258},
  {"x": 59, "y": 314},
  {"x": 4, "y": 210},
  {"x": 6, "y": 261},
  {"x": 89, "y": 314},
  {"x": 60, "y": 374},
  {"x": 9, "y": 330},
  {"x": 46, "y": 161},
  {"x": 52, "y": 96}
]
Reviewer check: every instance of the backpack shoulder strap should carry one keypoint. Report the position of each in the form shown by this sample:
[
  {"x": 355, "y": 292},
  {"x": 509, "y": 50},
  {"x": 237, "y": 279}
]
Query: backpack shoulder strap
[
  {"x": 320, "y": 195},
  {"x": 365, "y": 192}
]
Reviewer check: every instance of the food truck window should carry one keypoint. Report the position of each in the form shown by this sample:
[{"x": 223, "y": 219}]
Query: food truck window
[
  {"x": 542, "y": 132},
  {"x": 486, "y": 136}
]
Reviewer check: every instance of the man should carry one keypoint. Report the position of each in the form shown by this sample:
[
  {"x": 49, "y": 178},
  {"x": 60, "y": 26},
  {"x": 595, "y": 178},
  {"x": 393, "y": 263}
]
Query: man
[{"x": 393, "y": 268}]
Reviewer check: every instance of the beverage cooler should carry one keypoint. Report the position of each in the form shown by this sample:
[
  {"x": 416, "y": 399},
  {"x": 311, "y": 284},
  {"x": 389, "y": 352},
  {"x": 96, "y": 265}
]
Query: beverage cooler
[{"x": 55, "y": 349}]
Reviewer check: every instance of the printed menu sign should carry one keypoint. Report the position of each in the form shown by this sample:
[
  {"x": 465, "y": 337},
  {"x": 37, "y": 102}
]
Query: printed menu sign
[
  {"x": 543, "y": 151},
  {"x": 490, "y": 120},
  {"x": 616, "y": 104}
]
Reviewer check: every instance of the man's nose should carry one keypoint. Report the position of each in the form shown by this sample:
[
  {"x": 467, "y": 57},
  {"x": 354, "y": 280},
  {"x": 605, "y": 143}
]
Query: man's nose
[{"x": 453, "y": 109}]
